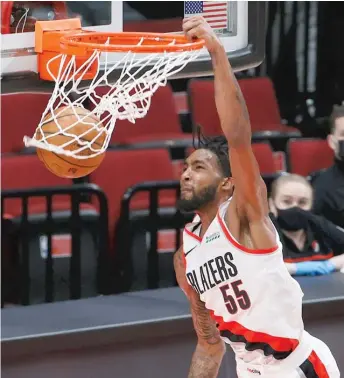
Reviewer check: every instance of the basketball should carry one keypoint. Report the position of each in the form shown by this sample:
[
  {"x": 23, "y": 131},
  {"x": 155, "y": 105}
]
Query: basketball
[{"x": 67, "y": 166}]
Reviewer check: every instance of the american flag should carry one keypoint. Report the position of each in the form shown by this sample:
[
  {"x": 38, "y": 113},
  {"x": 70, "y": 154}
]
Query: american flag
[{"x": 214, "y": 12}]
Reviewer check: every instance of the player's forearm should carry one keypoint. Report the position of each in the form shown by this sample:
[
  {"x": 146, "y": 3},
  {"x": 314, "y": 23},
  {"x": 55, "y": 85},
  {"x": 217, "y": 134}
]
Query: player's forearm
[
  {"x": 230, "y": 104},
  {"x": 206, "y": 363}
]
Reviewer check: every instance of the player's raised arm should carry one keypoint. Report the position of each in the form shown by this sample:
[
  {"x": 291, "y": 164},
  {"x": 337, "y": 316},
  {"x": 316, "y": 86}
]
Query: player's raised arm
[
  {"x": 210, "y": 348},
  {"x": 250, "y": 190}
]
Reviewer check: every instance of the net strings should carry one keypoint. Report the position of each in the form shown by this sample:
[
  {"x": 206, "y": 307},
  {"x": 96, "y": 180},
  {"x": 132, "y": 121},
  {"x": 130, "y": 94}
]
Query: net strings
[{"x": 129, "y": 97}]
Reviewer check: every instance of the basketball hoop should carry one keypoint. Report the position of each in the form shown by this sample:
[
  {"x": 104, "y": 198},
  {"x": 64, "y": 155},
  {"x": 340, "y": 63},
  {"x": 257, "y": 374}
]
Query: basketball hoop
[{"x": 69, "y": 56}]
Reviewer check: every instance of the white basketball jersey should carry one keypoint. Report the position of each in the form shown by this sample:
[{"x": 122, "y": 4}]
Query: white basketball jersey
[{"x": 250, "y": 293}]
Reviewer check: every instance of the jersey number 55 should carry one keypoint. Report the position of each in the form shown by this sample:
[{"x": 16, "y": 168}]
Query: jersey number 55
[{"x": 240, "y": 297}]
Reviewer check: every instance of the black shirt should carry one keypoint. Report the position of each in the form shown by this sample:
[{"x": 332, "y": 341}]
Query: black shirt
[
  {"x": 323, "y": 239},
  {"x": 315, "y": 248},
  {"x": 329, "y": 194}
]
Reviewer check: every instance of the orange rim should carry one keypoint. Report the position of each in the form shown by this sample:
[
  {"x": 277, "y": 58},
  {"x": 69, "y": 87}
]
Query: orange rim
[{"x": 85, "y": 42}]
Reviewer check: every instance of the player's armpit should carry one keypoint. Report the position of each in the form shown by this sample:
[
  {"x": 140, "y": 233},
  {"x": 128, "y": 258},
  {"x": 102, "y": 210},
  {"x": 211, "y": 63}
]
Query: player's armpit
[{"x": 249, "y": 203}]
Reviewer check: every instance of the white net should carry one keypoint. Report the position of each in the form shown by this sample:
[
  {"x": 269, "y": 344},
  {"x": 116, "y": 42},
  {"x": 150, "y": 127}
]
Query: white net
[{"x": 129, "y": 97}]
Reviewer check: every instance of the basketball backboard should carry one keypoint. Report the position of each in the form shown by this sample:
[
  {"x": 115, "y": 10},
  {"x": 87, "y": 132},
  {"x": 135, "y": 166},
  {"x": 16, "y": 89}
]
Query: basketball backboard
[{"x": 240, "y": 25}]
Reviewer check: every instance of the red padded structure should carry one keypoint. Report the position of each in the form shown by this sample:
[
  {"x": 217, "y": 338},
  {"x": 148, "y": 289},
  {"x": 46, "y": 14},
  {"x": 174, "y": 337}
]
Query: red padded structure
[{"x": 309, "y": 155}]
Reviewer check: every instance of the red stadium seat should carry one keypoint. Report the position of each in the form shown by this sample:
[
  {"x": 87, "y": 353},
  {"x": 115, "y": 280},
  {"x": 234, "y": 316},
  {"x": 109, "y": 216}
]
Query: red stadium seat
[
  {"x": 265, "y": 158},
  {"x": 26, "y": 172},
  {"x": 202, "y": 106},
  {"x": 123, "y": 169},
  {"x": 15, "y": 124},
  {"x": 160, "y": 123},
  {"x": 261, "y": 102},
  {"x": 309, "y": 155},
  {"x": 260, "y": 99}
]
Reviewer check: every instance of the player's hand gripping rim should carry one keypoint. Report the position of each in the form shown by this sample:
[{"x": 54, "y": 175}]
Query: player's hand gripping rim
[{"x": 196, "y": 27}]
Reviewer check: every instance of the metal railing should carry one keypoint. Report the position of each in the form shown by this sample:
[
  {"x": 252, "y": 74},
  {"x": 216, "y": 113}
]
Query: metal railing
[
  {"x": 154, "y": 221},
  {"x": 25, "y": 226}
]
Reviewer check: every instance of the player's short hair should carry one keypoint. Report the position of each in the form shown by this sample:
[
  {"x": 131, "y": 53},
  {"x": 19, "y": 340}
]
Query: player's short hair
[
  {"x": 217, "y": 145},
  {"x": 286, "y": 178},
  {"x": 337, "y": 112}
]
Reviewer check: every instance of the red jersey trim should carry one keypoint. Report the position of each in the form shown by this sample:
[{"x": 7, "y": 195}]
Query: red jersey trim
[
  {"x": 198, "y": 238},
  {"x": 279, "y": 344},
  {"x": 238, "y": 245},
  {"x": 318, "y": 366},
  {"x": 309, "y": 258}
]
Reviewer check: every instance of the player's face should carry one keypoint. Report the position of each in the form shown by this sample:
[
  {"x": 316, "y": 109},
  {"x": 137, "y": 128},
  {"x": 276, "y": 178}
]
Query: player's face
[
  {"x": 200, "y": 180},
  {"x": 291, "y": 194}
]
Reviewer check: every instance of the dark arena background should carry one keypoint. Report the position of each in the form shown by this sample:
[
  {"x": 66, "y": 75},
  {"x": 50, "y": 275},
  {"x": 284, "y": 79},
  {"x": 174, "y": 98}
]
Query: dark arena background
[{"x": 88, "y": 284}]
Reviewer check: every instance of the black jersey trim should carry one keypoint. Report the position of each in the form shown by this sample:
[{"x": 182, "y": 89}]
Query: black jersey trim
[
  {"x": 249, "y": 346},
  {"x": 308, "y": 369}
]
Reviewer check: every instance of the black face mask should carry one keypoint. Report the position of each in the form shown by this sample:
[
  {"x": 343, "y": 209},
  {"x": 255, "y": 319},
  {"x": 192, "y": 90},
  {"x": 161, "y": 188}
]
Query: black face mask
[{"x": 292, "y": 219}]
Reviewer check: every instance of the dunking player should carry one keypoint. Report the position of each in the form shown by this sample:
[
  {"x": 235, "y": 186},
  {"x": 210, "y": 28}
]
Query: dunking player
[{"x": 231, "y": 266}]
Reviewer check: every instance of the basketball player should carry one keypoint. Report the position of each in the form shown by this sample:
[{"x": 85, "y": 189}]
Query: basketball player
[{"x": 230, "y": 265}]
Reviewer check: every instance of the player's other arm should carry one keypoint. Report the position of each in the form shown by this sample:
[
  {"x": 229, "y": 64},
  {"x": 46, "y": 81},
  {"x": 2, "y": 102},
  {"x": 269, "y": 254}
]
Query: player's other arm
[{"x": 210, "y": 348}]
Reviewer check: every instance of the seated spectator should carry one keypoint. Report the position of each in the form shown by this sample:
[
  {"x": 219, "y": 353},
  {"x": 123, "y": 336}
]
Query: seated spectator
[
  {"x": 329, "y": 185},
  {"x": 308, "y": 239}
]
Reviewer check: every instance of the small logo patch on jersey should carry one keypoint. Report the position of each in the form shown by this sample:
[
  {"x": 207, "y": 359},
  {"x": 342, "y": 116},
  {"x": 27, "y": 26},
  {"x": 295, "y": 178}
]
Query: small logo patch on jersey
[
  {"x": 186, "y": 253},
  {"x": 212, "y": 237},
  {"x": 253, "y": 371}
]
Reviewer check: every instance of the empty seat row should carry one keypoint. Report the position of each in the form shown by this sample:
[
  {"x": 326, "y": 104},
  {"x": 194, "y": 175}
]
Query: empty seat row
[
  {"x": 119, "y": 171},
  {"x": 161, "y": 122},
  {"x": 260, "y": 99},
  {"x": 123, "y": 169}
]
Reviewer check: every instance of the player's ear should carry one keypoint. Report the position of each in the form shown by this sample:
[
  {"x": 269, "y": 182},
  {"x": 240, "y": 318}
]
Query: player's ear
[{"x": 227, "y": 184}]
